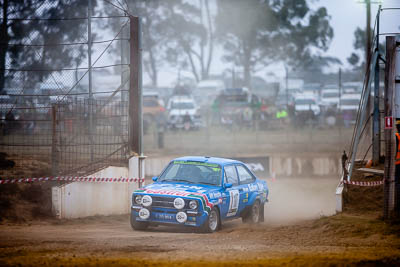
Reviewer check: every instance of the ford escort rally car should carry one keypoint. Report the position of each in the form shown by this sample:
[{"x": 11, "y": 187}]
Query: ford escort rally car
[{"x": 200, "y": 192}]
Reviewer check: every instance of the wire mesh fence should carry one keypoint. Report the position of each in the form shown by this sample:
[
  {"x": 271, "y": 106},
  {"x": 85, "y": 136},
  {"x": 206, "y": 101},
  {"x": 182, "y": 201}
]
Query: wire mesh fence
[{"x": 50, "y": 110}]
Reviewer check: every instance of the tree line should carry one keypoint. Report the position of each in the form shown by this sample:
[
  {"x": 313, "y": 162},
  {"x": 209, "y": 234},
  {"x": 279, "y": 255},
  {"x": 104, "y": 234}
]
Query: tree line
[{"x": 251, "y": 34}]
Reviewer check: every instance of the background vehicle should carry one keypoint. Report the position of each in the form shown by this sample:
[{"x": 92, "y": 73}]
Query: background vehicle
[
  {"x": 306, "y": 109},
  {"x": 330, "y": 97},
  {"x": 348, "y": 107},
  {"x": 306, "y": 103},
  {"x": 207, "y": 90},
  {"x": 183, "y": 113},
  {"x": 234, "y": 106},
  {"x": 200, "y": 192},
  {"x": 153, "y": 110}
]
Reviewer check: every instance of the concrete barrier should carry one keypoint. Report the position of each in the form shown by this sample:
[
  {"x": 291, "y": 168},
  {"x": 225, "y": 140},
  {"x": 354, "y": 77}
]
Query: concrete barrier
[
  {"x": 82, "y": 199},
  {"x": 280, "y": 164}
]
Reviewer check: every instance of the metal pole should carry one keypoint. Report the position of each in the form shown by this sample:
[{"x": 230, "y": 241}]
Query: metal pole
[
  {"x": 90, "y": 78},
  {"x": 340, "y": 88},
  {"x": 135, "y": 89},
  {"x": 376, "y": 127},
  {"x": 368, "y": 31},
  {"x": 397, "y": 115},
  {"x": 54, "y": 148},
  {"x": 287, "y": 86},
  {"x": 390, "y": 142}
]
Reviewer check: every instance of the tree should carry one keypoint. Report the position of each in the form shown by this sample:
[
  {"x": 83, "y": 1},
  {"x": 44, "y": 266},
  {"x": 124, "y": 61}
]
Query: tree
[
  {"x": 257, "y": 33},
  {"x": 153, "y": 38},
  {"x": 42, "y": 28},
  {"x": 190, "y": 29},
  {"x": 357, "y": 58}
]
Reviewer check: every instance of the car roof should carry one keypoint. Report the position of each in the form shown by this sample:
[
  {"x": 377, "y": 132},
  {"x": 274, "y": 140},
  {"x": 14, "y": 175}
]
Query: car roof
[
  {"x": 220, "y": 161},
  {"x": 183, "y": 100}
]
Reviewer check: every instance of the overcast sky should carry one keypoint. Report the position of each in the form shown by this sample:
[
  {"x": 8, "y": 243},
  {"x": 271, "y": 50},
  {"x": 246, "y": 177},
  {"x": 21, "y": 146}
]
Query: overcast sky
[{"x": 346, "y": 16}]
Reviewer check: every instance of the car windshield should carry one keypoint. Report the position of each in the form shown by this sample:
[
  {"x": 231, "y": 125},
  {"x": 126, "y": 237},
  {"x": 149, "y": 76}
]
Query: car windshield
[
  {"x": 350, "y": 102},
  {"x": 330, "y": 95},
  {"x": 192, "y": 172},
  {"x": 182, "y": 105},
  {"x": 305, "y": 102}
]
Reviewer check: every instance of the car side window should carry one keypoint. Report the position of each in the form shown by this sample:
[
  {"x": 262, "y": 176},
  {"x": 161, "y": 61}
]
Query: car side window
[
  {"x": 231, "y": 175},
  {"x": 244, "y": 175}
]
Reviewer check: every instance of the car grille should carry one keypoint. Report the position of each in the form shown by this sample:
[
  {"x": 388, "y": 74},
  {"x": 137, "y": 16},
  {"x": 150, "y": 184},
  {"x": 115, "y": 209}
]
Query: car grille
[
  {"x": 166, "y": 202},
  {"x": 163, "y": 202}
]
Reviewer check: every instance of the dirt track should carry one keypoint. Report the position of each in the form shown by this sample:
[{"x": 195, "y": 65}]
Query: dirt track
[{"x": 110, "y": 240}]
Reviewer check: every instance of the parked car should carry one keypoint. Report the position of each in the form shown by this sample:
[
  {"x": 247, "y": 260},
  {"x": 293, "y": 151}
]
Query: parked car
[
  {"x": 184, "y": 114},
  {"x": 330, "y": 97},
  {"x": 307, "y": 103},
  {"x": 153, "y": 110},
  {"x": 200, "y": 192},
  {"x": 348, "y": 106},
  {"x": 207, "y": 90}
]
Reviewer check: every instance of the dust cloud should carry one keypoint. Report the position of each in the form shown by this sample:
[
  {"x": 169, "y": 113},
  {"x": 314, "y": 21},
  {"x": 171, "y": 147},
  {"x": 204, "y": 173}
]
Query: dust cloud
[{"x": 292, "y": 200}]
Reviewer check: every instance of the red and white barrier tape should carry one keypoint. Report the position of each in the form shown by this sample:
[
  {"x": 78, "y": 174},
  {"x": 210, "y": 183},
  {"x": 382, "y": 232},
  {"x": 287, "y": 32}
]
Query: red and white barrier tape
[
  {"x": 374, "y": 183},
  {"x": 71, "y": 179}
]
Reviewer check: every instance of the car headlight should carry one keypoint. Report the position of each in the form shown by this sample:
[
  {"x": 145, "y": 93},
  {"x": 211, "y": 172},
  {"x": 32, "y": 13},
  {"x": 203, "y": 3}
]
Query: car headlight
[
  {"x": 144, "y": 214},
  {"x": 193, "y": 204},
  {"x": 138, "y": 199},
  {"x": 147, "y": 200},
  {"x": 181, "y": 217},
  {"x": 179, "y": 203}
]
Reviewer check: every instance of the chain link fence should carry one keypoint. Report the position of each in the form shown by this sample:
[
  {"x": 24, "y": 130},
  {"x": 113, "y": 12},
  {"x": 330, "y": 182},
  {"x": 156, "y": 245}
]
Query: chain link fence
[{"x": 48, "y": 113}]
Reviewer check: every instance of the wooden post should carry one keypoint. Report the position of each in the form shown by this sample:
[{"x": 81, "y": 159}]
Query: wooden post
[
  {"x": 135, "y": 89},
  {"x": 390, "y": 147}
]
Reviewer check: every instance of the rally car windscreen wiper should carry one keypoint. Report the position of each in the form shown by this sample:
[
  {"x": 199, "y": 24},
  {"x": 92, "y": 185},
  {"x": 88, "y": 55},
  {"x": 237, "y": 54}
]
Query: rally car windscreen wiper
[
  {"x": 182, "y": 180},
  {"x": 207, "y": 183}
]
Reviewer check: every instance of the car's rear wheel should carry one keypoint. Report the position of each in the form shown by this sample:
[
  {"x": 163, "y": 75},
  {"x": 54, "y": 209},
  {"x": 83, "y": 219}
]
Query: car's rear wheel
[
  {"x": 254, "y": 215},
  {"x": 213, "y": 222},
  {"x": 136, "y": 225}
]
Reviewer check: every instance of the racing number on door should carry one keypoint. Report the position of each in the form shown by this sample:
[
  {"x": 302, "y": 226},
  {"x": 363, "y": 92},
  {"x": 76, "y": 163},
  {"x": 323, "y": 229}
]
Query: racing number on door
[{"x": 233, "y": 202}]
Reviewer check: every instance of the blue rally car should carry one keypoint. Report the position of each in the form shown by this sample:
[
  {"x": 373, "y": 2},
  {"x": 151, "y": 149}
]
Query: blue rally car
[{"x": 200, "y": 192}]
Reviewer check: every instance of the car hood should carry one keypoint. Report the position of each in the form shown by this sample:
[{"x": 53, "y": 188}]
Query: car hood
[
  {"x": 208, "y": 193},
  {"x": 181, "y": 112}
]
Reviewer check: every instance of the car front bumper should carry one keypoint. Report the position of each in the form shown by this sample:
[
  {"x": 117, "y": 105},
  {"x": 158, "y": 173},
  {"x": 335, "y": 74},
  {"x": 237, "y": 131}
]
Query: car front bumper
[{"x": 168, "y": 216}]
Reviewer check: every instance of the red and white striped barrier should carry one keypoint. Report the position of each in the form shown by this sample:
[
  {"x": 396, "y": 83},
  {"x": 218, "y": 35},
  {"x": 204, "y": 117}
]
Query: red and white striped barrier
[
  {"x": 71, "y": 179},
  {"x": 374, "y": 183}
]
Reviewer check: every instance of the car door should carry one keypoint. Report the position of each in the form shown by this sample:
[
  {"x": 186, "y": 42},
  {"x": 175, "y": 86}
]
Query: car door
[
  {"x": 231, "y": 196},
  {"x": 245, "y": 181}
]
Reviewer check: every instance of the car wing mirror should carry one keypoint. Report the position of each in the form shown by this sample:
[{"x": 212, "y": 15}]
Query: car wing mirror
[
  {"x": 154, "y": 178},
  {"x": 227, "y": 185}
]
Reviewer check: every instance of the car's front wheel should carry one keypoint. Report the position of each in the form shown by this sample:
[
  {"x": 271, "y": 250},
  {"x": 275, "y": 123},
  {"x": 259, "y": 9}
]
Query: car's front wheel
[
  {"x": 213, "y": 221},
  {"x": 136, "y": 225}
]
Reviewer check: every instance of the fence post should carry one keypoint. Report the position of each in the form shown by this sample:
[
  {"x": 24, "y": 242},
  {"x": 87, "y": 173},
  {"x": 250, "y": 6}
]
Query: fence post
[
  {"x": 376, "y": 126},
  {"x": 390, "y": 142},
  {"x": 54, "y": 148},
  {"x": 397, "y": 112},
  {"x": 135, "y": 94},
  {"x": 135, "y": 100}
]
